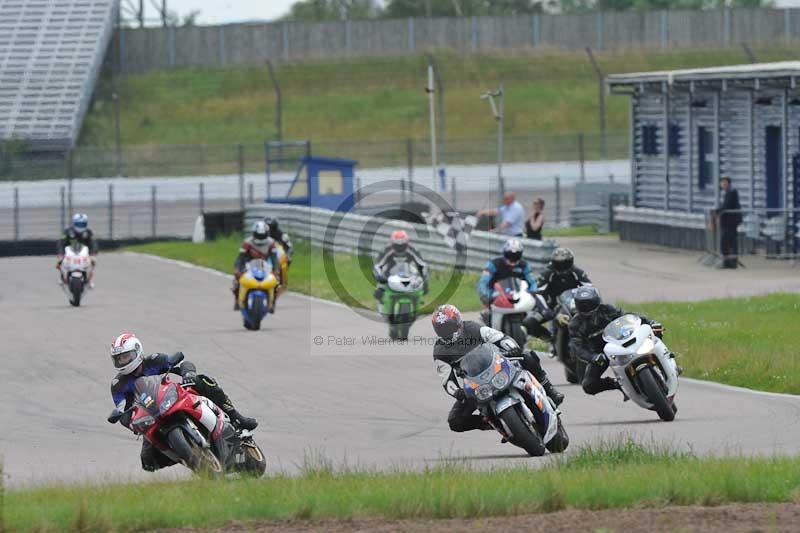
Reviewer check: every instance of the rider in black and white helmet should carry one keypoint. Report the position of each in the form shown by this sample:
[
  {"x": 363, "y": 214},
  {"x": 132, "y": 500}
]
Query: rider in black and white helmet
[
  {"x": 560, "y": 275},
  {"x": 258, "y": 246}
]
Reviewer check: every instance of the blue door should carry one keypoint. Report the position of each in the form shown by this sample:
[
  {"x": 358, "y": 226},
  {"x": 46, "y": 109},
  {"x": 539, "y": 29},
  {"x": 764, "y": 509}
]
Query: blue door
[{"x": 774, "y": 167}]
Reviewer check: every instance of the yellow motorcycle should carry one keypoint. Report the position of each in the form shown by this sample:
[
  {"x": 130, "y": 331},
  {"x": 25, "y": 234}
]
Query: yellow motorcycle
[{"x": 256, "y": 292}]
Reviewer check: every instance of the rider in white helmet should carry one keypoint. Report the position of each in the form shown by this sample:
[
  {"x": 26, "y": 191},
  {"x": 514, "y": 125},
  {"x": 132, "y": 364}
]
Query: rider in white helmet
[
  {"x": 258, "y": 246},
  {"x": 130, "y": 363},
  {"x": 79, "y": 231},
  {"x": 510, "y": 265}
]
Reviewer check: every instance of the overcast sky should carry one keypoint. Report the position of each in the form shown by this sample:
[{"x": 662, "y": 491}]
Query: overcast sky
[{"x": 221, "y": 11}]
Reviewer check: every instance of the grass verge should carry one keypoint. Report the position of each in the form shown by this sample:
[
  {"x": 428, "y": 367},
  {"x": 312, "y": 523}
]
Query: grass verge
[
  {"x": 748, "y": 342},
  {"x": 632, "y": 474},
  {"x": 307, "y": 274}
]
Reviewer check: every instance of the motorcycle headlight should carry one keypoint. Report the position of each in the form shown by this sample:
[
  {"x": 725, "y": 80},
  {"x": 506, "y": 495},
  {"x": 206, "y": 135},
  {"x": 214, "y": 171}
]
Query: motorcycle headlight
[
  {"x": 484, "y": 392},
  {"x": 647, "y": 347},
  {"x": 141, "y": 424},
  {"x": 500, "y": 380},
  {"x": 170, "y": 397}
]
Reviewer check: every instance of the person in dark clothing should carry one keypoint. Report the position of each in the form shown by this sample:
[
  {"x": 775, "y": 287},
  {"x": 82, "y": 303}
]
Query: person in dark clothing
[
  {"x": 281, "y": 237},
  {"x": 457, "y": 337},
  {"x": 79, "y": 232},
  {"x": 131, "y": 364},
  {"x": 398, "y": 252},
  {"x": 586, "y": 338},
  {"x": 729, "y": 216},
  {"x": 560, "y": 275},
  {"x": 535, "y": 223}
]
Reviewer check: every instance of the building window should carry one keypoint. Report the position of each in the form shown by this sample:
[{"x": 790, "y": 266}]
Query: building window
[
  {"x": 650, "y": 139},
  {"x": 706, "y": 158},
  {"x": 674, "y": 140}
]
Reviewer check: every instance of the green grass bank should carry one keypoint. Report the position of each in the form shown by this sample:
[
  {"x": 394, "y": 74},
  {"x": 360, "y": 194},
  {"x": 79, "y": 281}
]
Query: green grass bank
[
  {"x": 547, "y": 93},
  {"x": 633, "y": 475},
  {"x": 748, "y": 342}
]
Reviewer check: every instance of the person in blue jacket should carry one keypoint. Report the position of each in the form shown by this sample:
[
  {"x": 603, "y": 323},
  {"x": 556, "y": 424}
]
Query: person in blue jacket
[{"x": 509, "y": 265}]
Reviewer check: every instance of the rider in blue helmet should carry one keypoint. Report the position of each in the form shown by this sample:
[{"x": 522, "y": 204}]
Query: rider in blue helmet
[{"x": 79, "y": 231}]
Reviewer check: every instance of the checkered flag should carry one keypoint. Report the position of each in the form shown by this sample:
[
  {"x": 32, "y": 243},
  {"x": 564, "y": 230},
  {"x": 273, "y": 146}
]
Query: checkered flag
[{"x": 455, "y": 229}]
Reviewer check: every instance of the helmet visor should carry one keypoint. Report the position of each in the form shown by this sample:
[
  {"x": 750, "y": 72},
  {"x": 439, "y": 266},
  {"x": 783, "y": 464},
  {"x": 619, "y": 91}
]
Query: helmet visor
[{"x": 123, "y": 358}]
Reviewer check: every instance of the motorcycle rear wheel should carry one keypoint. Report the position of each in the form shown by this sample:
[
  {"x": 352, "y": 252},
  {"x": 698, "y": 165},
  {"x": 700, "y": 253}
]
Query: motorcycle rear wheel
[
  {"x": 652, "y": 390},
  {"x": 255, "y": 463},
  {"x": 518, "y": 334},
  {"x": 560, "y": 441},
  {"x": 522, "y": 434}
]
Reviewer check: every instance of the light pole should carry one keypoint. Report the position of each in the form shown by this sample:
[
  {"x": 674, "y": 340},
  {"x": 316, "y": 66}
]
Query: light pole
[
  {"x": 496, "y": 102},
  {"x": 431, "y": 89}
]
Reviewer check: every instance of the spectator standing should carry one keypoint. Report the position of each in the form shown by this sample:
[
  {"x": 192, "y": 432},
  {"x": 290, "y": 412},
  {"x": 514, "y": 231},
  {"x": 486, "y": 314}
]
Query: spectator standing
[
  {"x": 511, "y": 213},
  {"x": 535, "y": 223},
  {"x": 729, "y": 216}
]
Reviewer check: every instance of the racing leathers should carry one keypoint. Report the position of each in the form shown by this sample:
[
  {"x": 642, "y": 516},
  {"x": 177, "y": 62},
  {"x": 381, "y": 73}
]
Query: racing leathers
[
  {"x": 586, "y": 342},
  {"x": 551, "y": 284},
  {"x": 252, "y": 250},
  {"x": 446, "y": 355},
  {"x": 390, "y": 258},
  {"x": 123, "y": 395},
  {"x": 84, "y": 237}
]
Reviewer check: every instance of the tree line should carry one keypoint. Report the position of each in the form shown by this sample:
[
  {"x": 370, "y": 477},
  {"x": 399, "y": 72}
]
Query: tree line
[{"x": 327, "y": 10}]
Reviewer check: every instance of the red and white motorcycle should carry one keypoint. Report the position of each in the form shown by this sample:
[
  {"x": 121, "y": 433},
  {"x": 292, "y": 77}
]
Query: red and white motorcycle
[
  {"x": 76, "y": 271},
  {"x": 511, "y": 306}
]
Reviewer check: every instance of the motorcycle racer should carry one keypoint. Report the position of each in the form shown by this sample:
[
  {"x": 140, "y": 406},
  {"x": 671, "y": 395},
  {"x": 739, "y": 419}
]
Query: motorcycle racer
[
  {"x": 131, "y": 364},
  {"x": 456, "y": 337},
  {"x": 258, "y": 246},
  {"x": 398, "y": 251},
  {"x": 79, "y": 231}
]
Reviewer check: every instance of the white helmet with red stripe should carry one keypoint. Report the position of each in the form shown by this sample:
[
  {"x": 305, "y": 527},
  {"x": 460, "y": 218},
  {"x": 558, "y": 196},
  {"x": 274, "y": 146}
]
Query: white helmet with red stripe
[{"x": 126, "y": 353}]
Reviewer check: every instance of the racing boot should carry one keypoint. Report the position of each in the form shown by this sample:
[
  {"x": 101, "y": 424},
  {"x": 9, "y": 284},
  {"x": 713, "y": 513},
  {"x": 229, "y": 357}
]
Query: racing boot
[
  {"x": 551, "y": 391},
  {"x": 241, "y": 421}
]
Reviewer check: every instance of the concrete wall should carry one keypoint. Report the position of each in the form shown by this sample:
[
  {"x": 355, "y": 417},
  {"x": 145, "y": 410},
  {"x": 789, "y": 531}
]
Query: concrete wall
[{"x": 240, "y": 44}]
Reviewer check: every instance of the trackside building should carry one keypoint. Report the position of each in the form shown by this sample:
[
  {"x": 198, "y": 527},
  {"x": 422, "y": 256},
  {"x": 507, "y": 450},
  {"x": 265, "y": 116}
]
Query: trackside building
[{"x": 690, "y": 127}]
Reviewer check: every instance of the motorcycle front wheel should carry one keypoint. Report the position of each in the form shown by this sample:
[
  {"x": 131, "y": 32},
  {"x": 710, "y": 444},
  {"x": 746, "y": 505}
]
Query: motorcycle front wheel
[
  {"x": 652, "y": 390},
  {"x": 199, "y": 460},
  {"x": 522, "y": 434},
  {"x": 562, "y": 351},
  {"x": 76, "y": 289},
  {"x": 255, "y": 463}
]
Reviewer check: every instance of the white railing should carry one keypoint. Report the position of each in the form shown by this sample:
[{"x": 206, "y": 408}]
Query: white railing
[{"x": 358, "y": 234}]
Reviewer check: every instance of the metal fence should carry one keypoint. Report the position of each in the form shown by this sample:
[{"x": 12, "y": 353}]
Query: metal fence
[
  {"x": 364, "y": 235},
  {"x": 240, "y": 159},
  {"x": 145, "y": 49},
  {"x": 767, "y": 232}
]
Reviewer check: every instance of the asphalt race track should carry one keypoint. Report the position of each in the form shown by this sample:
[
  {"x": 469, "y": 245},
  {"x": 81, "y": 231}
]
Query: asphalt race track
[{"x": 366, "y": 404}]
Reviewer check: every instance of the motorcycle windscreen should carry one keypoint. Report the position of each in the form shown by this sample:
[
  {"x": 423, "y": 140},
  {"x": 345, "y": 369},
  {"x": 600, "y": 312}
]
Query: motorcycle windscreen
[
  {"x": 478, "y": 360},
  {"x": 567, "y": 299},
  {"x": 510, "y": 285},
  {"x": 404, "y": 269},
  {"x": 146, "y": 389},
  {"x": 622, "y": 328}
]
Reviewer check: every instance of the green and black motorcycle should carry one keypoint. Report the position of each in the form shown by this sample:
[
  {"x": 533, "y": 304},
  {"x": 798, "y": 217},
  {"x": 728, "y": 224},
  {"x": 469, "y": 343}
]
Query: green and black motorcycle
[{"x": 402, "y": 299}]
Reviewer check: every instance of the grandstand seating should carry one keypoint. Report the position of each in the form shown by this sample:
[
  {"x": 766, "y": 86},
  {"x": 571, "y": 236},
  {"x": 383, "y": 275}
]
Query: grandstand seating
[{"x": 51, "y": 52}]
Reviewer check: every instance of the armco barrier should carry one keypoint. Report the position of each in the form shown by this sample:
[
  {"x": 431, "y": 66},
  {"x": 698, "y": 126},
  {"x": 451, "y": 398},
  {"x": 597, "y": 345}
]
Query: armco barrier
[{"x": 358, "y": 234}]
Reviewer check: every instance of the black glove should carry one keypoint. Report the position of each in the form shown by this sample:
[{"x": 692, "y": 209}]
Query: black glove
[
  {"x": 658, "y": 330},
  {"x": 600, "y": 359},
  {"x": 381, "y": 278},
  {"x": 460, "y": 395},
  {"x": 189, "y": 377},
  {"x": 175, "y": 359}
]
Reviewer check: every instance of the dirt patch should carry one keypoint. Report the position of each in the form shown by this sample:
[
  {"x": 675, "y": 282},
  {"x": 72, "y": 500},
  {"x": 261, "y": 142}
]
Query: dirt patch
[{"x": 728, "y": 518}]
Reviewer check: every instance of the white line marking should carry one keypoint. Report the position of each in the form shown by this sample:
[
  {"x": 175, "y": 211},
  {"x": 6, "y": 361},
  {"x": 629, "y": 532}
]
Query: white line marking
[
  {"x": 186, "y": 264},
  {"x": 734, "y": 388}
]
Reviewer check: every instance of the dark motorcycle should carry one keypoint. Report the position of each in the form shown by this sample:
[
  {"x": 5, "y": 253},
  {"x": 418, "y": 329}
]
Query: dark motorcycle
[{"x": 574, "y": 367}]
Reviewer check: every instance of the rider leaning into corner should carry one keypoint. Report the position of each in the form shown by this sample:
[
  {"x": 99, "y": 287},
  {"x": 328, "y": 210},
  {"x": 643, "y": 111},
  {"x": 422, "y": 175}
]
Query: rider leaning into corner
[
  {"x": 399, "y": 251},
  {"x": 79, "y": 231},
  {"x": 586, "y": 338},
  {"x": 130, "y": 363},
  {"x": 457, "y": 337},
  {"x": 258, "y": 246}
]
